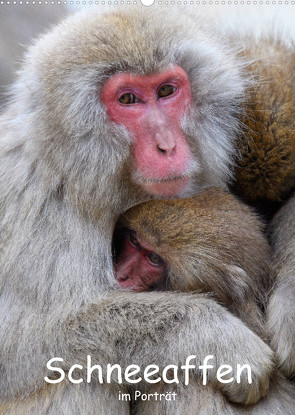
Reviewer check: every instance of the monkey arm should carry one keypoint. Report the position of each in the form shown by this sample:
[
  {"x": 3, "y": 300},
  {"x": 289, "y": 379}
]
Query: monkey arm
[
  {"x": 281, "y": 310},
  {"x": 164, "y": 329},
  {"x": 142, "y": 329},
  {"x": 281, "y": 323}
]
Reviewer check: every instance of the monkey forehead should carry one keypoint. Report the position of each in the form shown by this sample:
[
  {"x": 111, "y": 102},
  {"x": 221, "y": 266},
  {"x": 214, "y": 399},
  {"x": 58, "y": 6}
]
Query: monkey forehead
[
  {"x": 121, "y": 39},
  {"x": 179, "y": 222},
  {"x": 134, "y": 40},
  {"x": 164, "y": 223}
]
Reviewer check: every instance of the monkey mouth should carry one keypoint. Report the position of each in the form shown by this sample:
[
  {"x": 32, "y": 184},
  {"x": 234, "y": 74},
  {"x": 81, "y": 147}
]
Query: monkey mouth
[
  {"x": 166, "y": 179},
  {"x": 171, "y": 186},
  {"x": 143, "y": 180}
]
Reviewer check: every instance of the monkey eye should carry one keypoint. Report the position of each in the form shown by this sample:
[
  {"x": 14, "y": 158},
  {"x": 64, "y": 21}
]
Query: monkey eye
[
  {"x": 128, "y": 99},
  {"x": 155, "y": 259},
  {"x": 166, "y": 90},
  {"x": 133, "y": 240}
]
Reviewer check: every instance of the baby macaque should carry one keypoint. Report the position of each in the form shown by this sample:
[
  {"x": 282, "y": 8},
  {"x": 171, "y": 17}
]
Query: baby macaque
[{"x": 210, "y": 243}]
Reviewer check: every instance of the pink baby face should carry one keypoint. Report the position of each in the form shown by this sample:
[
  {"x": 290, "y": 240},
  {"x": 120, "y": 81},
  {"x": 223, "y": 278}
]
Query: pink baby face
[{"x": 137, "y": 266}]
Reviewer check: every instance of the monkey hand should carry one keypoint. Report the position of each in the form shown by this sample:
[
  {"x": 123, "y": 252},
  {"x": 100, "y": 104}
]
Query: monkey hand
[
  {"x": 245, "y": 348},
  {"x": 260, "y": 360},
  {"x": 281, "y": 328}
]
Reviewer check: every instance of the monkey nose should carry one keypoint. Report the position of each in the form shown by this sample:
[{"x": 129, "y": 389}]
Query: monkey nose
[{"x": 165, "y": 142}]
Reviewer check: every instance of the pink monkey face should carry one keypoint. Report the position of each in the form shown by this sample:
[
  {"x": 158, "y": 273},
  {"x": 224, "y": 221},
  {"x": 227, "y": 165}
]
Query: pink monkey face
[
  {"x": 152, "y": 107},
  {"x": 138, "y": 267}
]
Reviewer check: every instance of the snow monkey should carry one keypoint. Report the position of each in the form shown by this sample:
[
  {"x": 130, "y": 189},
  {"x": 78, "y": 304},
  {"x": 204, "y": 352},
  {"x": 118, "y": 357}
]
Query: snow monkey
[
  {"x": 109, "y": 110},
  {"x": 211, "y": 243}
]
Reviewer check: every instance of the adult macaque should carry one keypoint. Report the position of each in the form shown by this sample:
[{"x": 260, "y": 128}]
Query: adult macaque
[
  {"x": 211, "y": 243},
  {"x": 74, "y": 155}
]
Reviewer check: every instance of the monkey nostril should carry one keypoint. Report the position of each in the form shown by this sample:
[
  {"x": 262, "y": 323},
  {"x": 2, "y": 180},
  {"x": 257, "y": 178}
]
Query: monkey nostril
[
  {"x": 168, "y": 150},
  {"x": 162, "y": 150},
  {"x": 123, "y": 278}
]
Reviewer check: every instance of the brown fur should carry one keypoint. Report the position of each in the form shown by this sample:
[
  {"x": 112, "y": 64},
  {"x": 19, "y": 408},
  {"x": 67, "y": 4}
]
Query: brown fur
[
  {"x": 210, "y": 243},
  {"x": 266, "y": 167}
]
